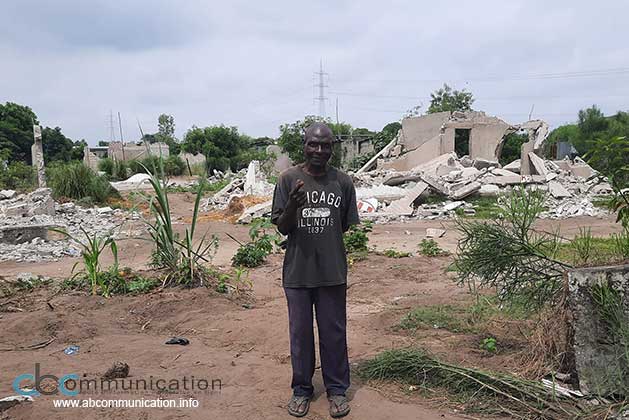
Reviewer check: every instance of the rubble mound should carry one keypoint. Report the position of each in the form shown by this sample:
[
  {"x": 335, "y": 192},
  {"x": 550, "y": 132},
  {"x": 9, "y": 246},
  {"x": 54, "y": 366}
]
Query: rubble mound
[{"x": 27, "y": 220}]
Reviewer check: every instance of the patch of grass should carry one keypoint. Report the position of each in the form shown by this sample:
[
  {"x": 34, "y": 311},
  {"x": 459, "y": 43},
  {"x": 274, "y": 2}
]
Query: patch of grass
[
  {"x": 446, "y": 317},
  {"x": 602, "y": 251},
  {"x": 77, "y": 181},
  {"x": 485, "y": 207},
  {"x": 603, "y": 202},
  {"x": 489, "y": 392},
  {"x": 392, "y": 253},
  {"x": 17, "y": 176},
  {"x": 430, "y": 248},
  {"x": 434, "y": 199}
]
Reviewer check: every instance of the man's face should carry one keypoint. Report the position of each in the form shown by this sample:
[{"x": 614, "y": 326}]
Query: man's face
[{"x": 318, "y": 148}]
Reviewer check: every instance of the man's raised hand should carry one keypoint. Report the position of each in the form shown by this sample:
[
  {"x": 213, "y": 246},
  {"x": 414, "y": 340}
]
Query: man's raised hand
[{"x": 298, "y": 196}]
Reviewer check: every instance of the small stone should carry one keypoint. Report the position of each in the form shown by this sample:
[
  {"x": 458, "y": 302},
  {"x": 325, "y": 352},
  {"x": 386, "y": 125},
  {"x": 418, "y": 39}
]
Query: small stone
[{"x": 435, "y": 233}]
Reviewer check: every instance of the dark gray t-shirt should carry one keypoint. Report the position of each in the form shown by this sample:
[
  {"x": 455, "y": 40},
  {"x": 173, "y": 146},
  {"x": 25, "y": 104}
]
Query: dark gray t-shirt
[{"x": 315, "y": 255}]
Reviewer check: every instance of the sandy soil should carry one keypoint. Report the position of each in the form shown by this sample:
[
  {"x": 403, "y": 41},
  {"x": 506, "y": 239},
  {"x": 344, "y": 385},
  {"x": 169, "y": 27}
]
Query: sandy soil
[{"x": 244, "y": 346}]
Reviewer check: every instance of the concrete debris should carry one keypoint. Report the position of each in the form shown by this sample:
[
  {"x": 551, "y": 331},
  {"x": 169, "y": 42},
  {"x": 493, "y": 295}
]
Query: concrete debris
[
  {"x": 480, "y": 163},
  {"x": 28, "y": 235},
  {"x": 258, "y": 210},
  {"x": 465, "y": 190},
  {"x": 513, "y": 166},
  {"x": 404, "y": 206},
  {"x": 502, "y": 172},
  {"x": 7, "y": 194},
  {"x": 489, "y": 190},
  {"x": 596, "y": 355},
  {"x": 538, "y": 164},
  {"x": 135, "y": 182},
  {"x": 368, "y": 205},
  {"x": 557, "y": 190},
  {"x": 435, "y": 233},
  {"x": 255, "y": 181},
  {"x": 8, "y": 402},
  {"x": 453, "y": 205}
]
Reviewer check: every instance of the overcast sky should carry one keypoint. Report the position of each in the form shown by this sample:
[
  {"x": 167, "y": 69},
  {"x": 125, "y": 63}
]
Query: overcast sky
[{"x": 251, "y": 64}]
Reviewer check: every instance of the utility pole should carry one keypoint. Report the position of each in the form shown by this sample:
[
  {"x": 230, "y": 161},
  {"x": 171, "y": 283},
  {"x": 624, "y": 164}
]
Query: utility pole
[{"x": 321, "y": 85}]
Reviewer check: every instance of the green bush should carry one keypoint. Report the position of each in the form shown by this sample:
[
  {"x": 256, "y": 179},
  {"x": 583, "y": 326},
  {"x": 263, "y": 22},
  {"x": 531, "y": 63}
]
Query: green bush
[
  {"x": 174, "y": 166},
  {"x": 116, "y": 170},
  {"x": 254, "y": 253},
  {"x": 430, "y": 248},
  {"x": 356, "y": 239},
  {"x": 77, "y": 181},
  {"x": 17, "y": 176}
]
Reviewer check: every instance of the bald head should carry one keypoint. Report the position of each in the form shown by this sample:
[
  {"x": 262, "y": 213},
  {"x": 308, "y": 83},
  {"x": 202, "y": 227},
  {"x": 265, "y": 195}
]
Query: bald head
[
  {"x": 318, "y": 139},
  {"x": 318, "y": 129}
]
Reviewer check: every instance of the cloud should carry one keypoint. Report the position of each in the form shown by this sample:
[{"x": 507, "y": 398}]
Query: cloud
[{"x": 251, "y": 64}]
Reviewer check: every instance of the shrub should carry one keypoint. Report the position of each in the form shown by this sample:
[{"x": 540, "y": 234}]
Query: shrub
[
  {"x": 17, "y": 176},
  {"x": 116, "y": 170},
  {"x": 430, "y": 248},
  {"x": 356, "y": 239},
  {"x": 77, "y": 181},
  {"x": 174, "y": 166},
  {"x": 261, "y": 244}
]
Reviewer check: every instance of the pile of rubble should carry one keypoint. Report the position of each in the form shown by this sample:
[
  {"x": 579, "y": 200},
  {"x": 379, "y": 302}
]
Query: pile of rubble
[
  {"x": 27, "y": 220},
  {"x": 249, "y": 182},
  {"x": 387, "y": 194}
]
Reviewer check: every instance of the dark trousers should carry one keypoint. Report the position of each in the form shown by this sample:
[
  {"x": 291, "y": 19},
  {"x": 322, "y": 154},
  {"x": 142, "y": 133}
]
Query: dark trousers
[{"x": 329, "y": 304}]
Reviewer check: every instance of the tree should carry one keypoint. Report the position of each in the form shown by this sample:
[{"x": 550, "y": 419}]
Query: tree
[
  {"x": 446, "y": 99},
  {"x": 57, "y": 147},
  {"x": 166, "y": 133},
  {"x": 16, "y": 132},
  {"x": 291, "y": 138},
  {"x": 512, "y": 146},
  {"x": 384, "y": 136},
  {"x": 591, "y": 122},
  {"x": 222, "y": 146}
]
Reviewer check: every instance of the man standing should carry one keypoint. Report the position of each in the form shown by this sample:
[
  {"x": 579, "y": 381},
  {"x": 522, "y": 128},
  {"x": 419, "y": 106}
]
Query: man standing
[{"x": 314, "y": 204}]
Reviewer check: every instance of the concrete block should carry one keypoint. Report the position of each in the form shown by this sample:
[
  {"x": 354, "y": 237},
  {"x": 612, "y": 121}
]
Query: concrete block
[
  {"x": 582, "y": 170},
  {"x": 453, "y": 205},
  {"x": 598, "y": 354},
  {"x": 557, "y": 190},
  {"x": 7, "y": 194},
  {"x": 513, "y": 166},
  {"x": 480, "y": 163},
  {"x": 465, "y": 191},
  {"x": 538, "y": 164},
  {"x": 502, "y": 172},
  {"x": 469, "y": 172},
  {"x": 23, "y": 233},
  {"x": 404, "y": 206},
  {"x": 435, "y": 233},
  {"x": 504, "y": 180},
  {"x": 489, "y": 190}
]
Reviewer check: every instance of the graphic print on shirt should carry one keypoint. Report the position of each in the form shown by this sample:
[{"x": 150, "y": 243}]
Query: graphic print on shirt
[{"x": 317, "y": 215}]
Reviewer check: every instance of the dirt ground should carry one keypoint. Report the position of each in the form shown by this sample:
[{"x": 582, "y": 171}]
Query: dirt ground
[{"x": 245, "y": 346}]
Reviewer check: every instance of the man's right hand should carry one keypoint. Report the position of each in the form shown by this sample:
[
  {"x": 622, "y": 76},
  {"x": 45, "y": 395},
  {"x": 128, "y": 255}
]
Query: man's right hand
[{"x": 297, "y": 197}]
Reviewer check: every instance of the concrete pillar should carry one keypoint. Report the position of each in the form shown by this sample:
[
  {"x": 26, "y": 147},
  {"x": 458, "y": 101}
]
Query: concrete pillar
[{"x": 37, "y": 154}]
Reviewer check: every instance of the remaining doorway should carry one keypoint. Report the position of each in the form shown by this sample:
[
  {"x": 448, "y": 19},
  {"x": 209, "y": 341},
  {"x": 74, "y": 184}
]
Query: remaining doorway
[{"x": 462, "y": 141}]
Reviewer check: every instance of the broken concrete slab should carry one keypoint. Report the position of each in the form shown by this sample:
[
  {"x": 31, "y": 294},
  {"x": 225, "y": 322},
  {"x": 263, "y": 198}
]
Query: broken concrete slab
[
  {"x": 489, "y": 190},
  {"x": 538, "y": 164},
  {"x": 7, "y": 194},
  {"x": 401, "y": 179},
  {"x": 581, "y": 169},
  {"x": 504, "y": 180},
  {"x": 557, "y": 190},
  {"x": 8, "y": 402},
  {"x": 513, "y": 166},
  {"x": 465, "y": 190},
  {"x": 502, "y": 172},
  {"x": 404, "y": 206},
  {"x": 480, "y": 163},
  {"x": 469, "y": 172},
  {"x": 453, "y": 205},
  {"x": 599, "y": 356},
  {"x": 435, "y": 233},
  {"x": 259, "y": 210},
  {"x": 23, "y": 233}
]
